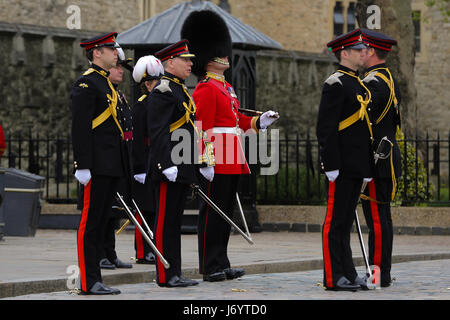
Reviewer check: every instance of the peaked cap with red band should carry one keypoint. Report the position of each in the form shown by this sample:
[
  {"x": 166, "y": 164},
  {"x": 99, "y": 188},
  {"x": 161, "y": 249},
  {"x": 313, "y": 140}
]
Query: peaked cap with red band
[
  {"x": 178, "y": 49},
  {"x": 105, "y": 40},
  {"x": 352, "y": 39},
  {"x": 377, "y": 40}
]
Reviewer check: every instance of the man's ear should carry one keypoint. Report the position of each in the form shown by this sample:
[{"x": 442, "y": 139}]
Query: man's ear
[
  {"x": 344, "y": 53},
  {"x": 97, "y": 52}
]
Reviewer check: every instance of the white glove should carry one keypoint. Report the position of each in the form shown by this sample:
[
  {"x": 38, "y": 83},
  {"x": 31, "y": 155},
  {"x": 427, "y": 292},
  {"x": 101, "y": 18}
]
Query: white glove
[
  {"x": 367, "y": 180},
  {"x": 83, "y": 176},
  {"x": 208, "y": 173},
  {"x": 267, "y": 118},
  {"x": 171, "y": 173},
  {"x": 332, "y": 175},
  {"x": 140, "y": 177}
]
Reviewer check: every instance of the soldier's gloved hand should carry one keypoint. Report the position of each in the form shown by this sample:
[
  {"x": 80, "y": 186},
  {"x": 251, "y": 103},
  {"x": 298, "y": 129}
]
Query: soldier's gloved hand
[
  {"x": 267, "y": 118},
  {"x": 140, "y": 177},
  {"x": 171, "y": 173},
  {"x": 83, "y": 176},
  {"x": 332, "y": 175},
  {"x": 367, "y": 180},
  {"x": 208, "y": 173}
]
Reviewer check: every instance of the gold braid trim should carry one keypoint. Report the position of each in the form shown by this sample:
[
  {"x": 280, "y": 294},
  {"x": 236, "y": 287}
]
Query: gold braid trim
[
  {"x": 111, "y": 110},
  {"x": 362, "y": 113}
]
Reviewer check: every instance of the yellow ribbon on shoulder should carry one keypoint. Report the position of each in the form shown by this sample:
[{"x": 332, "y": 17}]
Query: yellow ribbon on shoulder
[{"x": 112, "y": 105}]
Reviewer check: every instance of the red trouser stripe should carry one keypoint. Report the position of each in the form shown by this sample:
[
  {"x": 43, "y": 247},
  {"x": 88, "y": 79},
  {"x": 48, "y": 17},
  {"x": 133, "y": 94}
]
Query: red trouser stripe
[
  {"x": 326, "y": 230},
  {"x": 80, "y": 237},
  {"x": 160, "y": 229},
  {"x": 204, "y": 231},
  {"x": 139, "y": 240},
  {"x": 376, "y": 224}
]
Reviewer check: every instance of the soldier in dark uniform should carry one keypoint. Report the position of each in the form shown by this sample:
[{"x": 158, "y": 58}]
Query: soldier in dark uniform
[
  {"x": 218, "y": 112},
  {"x": 170, "y": 122},
  {"x": 109, "y": 258},
  {"x": 147, "y": 71},
  {"x": 97, "y": 141},
  {"x": 344, "y": 135},
  {"x": 385, "y": 116}
]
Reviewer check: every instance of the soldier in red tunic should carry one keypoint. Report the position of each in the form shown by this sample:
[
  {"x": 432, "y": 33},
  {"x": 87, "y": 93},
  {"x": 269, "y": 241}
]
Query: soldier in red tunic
[
  {"x": 2, "y": 142},
  {"x": 221, "y": 123}
]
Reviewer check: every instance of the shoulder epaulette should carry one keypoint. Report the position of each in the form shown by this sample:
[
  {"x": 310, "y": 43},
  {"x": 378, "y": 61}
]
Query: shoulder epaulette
[
  {"x": 371, "y": 77},
  {"x": 142, "y": 97},
  {"x": 164, "y": 86},
  {"x": 88, "y": 71},
  {"x": 334, "y": 78}
]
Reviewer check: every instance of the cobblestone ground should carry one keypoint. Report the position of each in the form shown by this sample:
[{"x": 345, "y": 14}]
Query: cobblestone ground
[{"x": 423, "y": 280}]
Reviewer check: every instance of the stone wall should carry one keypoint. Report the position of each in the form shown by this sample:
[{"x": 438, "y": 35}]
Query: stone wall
[
  {"x": 432, "y": 71},
  {"x": 405, "y": 220},
  {"x": 291, "y": 83},
  {"x": 111, "y": 15},
  {"x": 299, "y": 25},
  {"x": 37, "y": 78},
  {"x": 35, "y": 91},
  {"x": 296, "y": 24}
]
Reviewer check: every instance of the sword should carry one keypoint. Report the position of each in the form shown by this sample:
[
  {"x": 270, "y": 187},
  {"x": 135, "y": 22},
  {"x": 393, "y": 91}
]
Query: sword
[
  {"x": 250, "y": 112},
  {"x": 144, "y": 234},
  {"x": 242, "y": 214},
  {"x": 199, "y": 192},
  {"x": 123, "y": 227},
  {"x": 143, "y": 220}
]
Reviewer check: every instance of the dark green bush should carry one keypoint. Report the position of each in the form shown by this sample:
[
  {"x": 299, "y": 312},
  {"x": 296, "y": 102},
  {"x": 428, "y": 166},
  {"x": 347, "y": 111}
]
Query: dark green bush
[{"x": 412, "y": 195}]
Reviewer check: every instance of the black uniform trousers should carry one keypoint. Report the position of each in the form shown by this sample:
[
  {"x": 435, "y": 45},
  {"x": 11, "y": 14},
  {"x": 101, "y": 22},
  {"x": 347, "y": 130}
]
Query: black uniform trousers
[
  {"x": 379, "y": 222},
  {"x": 213, "y": 230},
  {"x": 115, "y": 214},
  {"x": 170, "y": 200},
  {"x": 109, "y": 245},
  {"x": 144, "y": 196},
  {"x": 343, "y": 195},
  {"x": 97, "y": 201}
]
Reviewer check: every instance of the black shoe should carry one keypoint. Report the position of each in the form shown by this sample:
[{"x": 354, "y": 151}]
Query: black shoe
[
  {"x": 122, "y": 265},
  {"x": 100, "y": 289},
  {"x": 106, "y": 264},
  {"x": 233, "y": 273},
  {"x": 190, "y": 281},
  {"x": 343, "y": 284},
  {"x": 362, "y": 282},
  {"x": 176, "y": 281},
  {"x": 386, "y": 281},
  {"x": 148, "y": 259},
  {"x": 385, "y": 284},
  {"x": 216, "y": 276}
]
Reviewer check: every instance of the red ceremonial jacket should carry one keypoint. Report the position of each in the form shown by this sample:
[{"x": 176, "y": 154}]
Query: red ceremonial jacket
[{"x": 217, "y": 115}]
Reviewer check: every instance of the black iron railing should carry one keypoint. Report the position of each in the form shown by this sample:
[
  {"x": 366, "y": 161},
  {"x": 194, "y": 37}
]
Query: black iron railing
[
  {"x": 425, "y": 173},
  {"x": 425, "y": 178},
  {"x": 47, "y": 156}
]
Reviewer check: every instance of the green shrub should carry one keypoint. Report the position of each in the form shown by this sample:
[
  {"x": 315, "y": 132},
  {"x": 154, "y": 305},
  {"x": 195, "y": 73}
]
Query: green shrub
[{"x": 411, "y": 175}]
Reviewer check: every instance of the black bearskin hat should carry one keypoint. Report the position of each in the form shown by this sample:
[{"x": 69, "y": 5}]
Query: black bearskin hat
[{"x": 208, "y": 38}]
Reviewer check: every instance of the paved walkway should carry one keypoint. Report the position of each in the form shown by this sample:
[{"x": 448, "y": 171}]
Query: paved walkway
[
  {"x": 417, "y": 280},
  {"x": 31, "y": 265}
]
